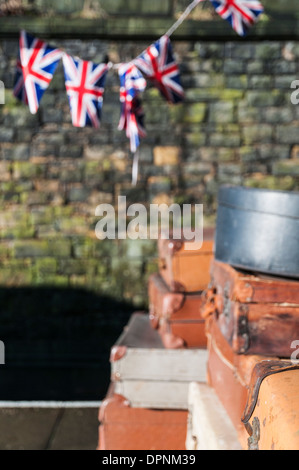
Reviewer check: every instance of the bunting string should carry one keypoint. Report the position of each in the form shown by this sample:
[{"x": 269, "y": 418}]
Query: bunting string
[
  {"x": 182, "y": 18},
  {"x": 85, "y": 81}
]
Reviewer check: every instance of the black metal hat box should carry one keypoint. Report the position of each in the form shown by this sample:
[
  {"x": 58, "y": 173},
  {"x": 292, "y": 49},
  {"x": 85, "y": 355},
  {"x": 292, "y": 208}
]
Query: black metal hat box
[{"x": 258, "y": 230}]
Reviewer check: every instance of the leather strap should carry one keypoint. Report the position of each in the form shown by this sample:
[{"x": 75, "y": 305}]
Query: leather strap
[
  {"x": 212, "y": 303},
  {"x": 262, "y": 370}
]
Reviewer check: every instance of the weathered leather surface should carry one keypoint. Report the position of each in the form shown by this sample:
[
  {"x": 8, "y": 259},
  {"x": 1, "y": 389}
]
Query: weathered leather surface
[
  {"x": 176, "y": 315},
  {"x": 186, "y": 270},
  {"x": 125, "y": 428},
  {"x": 256, "y": 314}
]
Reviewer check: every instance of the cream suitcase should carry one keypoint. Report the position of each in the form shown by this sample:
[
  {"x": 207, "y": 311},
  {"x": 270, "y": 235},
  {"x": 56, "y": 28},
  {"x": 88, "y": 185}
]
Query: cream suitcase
[
  {"x": 149, "y": 375},
  {"x": 209, "y": 426}
]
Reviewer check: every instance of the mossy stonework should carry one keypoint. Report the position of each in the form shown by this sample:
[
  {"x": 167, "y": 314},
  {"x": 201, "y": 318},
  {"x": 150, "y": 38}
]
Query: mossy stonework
[{"x": 237, "y": 125}]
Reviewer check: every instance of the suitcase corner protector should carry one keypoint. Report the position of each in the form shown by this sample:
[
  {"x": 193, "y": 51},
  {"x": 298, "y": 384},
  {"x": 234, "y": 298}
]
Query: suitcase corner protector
[{"x": 117, "y": 353}]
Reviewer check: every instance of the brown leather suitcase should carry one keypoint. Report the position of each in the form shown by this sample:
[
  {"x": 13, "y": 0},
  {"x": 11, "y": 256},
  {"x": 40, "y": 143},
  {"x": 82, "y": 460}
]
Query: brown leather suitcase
[
  {"x": 186, "y": 270},
  {"x": 176, "y": 315},
  {"x": 229, "y": 374},
  {"x": 125, "y": 428},
  {"x": 257, "y": 314},
  {"x": 271, "y": 416}
]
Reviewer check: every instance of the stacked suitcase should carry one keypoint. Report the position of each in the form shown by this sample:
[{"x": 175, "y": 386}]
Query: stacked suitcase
[
  {"x": 211, "y": 365},
  {"x": 252, "y": 317},
  {"x": 175, "y": 292},
  {"x": 159, "y": 354}
]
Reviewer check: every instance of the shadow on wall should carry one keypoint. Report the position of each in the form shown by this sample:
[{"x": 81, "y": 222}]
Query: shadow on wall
[{"x": 57, "y": 343}]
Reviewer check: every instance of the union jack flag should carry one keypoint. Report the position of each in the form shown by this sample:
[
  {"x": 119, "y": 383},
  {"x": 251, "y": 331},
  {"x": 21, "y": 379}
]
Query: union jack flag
[
  {"x": 241, "y": 14},
  {"x": 157, "y": 63},
  {"x": 37, "y": 64},
  {"x": 132, "y": 116},
  {"x": 19, "y": 90},
  {"x": 84, "y": 82}
]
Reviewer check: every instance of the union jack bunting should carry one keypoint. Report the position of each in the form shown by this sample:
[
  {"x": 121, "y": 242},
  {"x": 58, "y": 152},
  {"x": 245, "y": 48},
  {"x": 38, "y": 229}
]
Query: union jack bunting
[
  {"x": 19, "y": 90},
  {"x": 38, "y": 62},
  {"x": 132, "y": 116},
  {"x": 241, "y": 14},
  {"x": 84, "y": 82},
  {"x": 157, "y": 63}
]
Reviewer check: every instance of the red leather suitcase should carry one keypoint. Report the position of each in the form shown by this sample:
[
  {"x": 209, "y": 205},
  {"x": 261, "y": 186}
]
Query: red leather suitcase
[
  {"x": 176, "y": 315},
  {"x": 257, "y": 314},
  {"x": 125, "y": 428},
  {"x": 229, "y": 374},
  {"x": 186, "y": 270}
]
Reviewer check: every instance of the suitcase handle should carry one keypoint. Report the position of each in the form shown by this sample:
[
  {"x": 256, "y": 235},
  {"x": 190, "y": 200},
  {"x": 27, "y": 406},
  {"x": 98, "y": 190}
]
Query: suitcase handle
[
  {"x": 212, "y": 302},
  {"x": 162, "y": 263}
]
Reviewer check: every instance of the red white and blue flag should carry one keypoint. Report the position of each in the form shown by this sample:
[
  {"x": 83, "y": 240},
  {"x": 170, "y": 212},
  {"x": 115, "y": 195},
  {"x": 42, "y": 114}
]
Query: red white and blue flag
[
  {"x": 132, "y": 83},
  {"x": 37, "y": 64},
  {"x": 158, "y": 64},
  {"x": 241, "y": 14},
  {"x": 84, "y": 82}
]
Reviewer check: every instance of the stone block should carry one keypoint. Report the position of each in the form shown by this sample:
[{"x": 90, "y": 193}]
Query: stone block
[
  {"x": 195, "y": 139},
  {"x": 70, "y": 151},
  {"x": 5, "y": 171},
  {"x": 6, "y": 134},
  {"x": 288, "y": 134},
  {"x": 167, "y": 155},
  {"x": 69, "y": 267},
  {"x": 260, "y": 82},
  {"x": 78, "y": 194},
  {"x": 277, "y": 114},
  {"x": 221, "y": 112},
  {"x": 31, "y": 249},
  {"x": 234, "y": 66},
  {"x": 260, "y": 180},
  {"x": 45, "y": 266},
  {"x": 159, "y": 184},
  {"x": 265, "y": 98},
  {"x": 248, "y": 114},
  {"x": 28, "y": 170},
  {"x": 257, "y": 133},
  {"x": 16, "y": 152},
  {"x": 42, "y": 215},
  {"x": 255, "y": 67},
  {"x": 221, "y": 139},
  {"x": 239, "y": 82},
  {"x": 286, "y": 167},
  {"x": 268, "y": 50},
  {"x": 20, "y": 116}
]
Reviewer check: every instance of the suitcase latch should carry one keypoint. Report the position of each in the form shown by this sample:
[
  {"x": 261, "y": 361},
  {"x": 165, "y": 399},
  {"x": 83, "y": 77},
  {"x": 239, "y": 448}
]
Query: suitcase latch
[{"x": 255, "y": 434}]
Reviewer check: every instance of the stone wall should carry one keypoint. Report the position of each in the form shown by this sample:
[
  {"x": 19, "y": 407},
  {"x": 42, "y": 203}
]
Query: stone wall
[{"x": 237, "y": 125}]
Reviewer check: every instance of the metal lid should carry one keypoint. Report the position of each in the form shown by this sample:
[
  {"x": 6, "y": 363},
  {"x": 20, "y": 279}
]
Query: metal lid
[{"x": 279, "y": 203}]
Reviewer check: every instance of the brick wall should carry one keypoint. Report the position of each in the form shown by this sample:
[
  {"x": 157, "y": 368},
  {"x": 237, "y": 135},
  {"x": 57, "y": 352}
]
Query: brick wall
[{"x": 237, "y": 125}]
